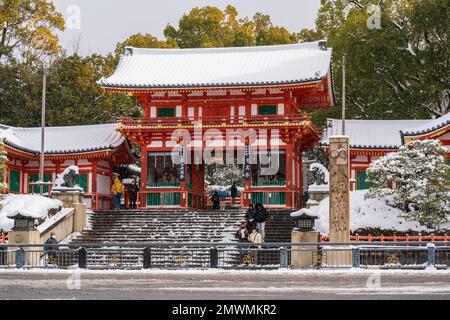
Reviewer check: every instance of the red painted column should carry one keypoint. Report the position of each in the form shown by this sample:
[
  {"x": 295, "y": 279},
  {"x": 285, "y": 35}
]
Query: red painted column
[
  {"x": 144, "y": 176},
  {"x": 94, "y": 183},
  {"x": 22, "y": 178},
  {"x": 289, "y": 154},
  {"x": 300, "y": 186}
]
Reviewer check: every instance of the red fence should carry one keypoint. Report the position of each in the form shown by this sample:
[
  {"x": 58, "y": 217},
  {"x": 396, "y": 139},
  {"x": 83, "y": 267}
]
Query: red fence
[{"x": 391, "y": 238}]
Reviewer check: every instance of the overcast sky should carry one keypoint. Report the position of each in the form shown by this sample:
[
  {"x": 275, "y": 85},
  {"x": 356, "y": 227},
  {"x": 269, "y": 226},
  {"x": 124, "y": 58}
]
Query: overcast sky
[{"x": 103, "y": 23}]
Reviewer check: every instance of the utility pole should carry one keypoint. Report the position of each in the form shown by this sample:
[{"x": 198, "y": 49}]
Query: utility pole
[
  {"x": 343, "y": 94},
  {"x": 42, "y": 160}
]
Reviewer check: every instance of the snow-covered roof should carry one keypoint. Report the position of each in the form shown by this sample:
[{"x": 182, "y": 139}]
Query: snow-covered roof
[
  {"x": 371, "y": 133},
  {"x": 221, "y": 67},
  {"x": 60, "y": 140},
  {"x": 429, "y": 126}
]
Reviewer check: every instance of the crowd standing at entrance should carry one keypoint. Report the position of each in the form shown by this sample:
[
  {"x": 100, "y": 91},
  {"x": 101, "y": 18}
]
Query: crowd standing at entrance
[{"x": 253, "y": 229}]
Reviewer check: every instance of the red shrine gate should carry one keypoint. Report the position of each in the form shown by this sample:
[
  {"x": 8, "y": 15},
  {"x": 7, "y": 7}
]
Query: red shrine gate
[{"x": 243, "y": 103}]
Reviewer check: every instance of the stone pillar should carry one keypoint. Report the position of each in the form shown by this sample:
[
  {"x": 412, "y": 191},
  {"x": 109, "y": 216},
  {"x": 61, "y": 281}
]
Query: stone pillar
[
  {"x": 304, "y": 259},
  {"x": 79, "y": 218},
  {"x": 73, "y": 199},
  {"x": 25, "y": 237},
  {"x": 339, "y": 228}
]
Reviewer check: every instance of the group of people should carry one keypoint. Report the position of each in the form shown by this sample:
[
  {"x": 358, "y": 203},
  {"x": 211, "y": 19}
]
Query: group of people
[
  {"x": 219, "y": 202},
  {"x": 118, "y": 191},
  {"x": 253, "y": 229}
]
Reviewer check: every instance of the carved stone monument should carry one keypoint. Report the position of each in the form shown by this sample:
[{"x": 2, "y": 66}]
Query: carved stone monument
[
  {"x": 71, "y": 195},
  {"x": 339, "y": 199}
]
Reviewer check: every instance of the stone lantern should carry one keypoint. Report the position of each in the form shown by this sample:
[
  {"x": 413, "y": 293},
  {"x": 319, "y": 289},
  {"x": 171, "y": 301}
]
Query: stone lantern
[
  {"x": 304, "y": 255},
  {"x": 305, "y": 222},
  {"x": 22, "y": 223}
]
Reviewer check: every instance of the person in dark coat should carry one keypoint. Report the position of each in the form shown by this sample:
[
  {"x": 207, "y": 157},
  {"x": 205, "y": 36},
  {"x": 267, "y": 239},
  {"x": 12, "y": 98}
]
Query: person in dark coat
[
  {"x": 233, "y": 193},
  {"x": 51, "y": 247},
  {"x": 250, "y": 218},
  {"x": 133, "y": 190},
  {"x": 215, "y": 199},
  {"x": 261, "y": 216}
]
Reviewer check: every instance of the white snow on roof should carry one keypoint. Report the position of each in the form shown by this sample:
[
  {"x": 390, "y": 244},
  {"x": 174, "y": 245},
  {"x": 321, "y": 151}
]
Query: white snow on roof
[
  {"x": 245, "y": 66},
  {"x": 429, "y": 126},
  {"x": 64, "y": 139},
  {"x": 371, "y": 133}
]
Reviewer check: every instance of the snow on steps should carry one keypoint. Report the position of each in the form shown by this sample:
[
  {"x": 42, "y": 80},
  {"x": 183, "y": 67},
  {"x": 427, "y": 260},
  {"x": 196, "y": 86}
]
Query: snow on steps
[{"x": 157, "y": 227}]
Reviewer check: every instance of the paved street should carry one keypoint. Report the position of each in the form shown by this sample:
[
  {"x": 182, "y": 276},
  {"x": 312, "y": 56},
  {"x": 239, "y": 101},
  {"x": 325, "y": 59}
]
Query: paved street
[{"x": 208, "y": 285}]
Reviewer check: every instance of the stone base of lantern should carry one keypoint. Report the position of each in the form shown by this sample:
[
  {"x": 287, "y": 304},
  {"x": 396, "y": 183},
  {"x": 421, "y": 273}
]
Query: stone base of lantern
[
  {"x": 305, "y": 259},
  {"x": 25, "y": 237}
]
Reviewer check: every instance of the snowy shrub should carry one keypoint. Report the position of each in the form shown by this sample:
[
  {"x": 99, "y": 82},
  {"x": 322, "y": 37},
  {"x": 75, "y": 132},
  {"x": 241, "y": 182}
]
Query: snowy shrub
[
  {"x": 224, "y": 175},
  {"x": 416, "y": 180}
]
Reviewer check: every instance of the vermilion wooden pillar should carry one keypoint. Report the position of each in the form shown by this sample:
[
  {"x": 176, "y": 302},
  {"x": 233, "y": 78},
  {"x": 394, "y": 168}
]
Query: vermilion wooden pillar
[
  {"x": 289, "y": 177},
  {"x": 144, "y": 175},
  {"x": 94, "y": 182},
  {"x": 300, "y": 178}
]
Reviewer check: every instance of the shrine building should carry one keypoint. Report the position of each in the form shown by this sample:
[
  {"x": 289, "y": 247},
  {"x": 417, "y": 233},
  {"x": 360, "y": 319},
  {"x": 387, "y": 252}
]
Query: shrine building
[
  {"x": 243, "y": 105},
  {"x": 94, "y": 149},
  {"x": 372, "y": 139}
]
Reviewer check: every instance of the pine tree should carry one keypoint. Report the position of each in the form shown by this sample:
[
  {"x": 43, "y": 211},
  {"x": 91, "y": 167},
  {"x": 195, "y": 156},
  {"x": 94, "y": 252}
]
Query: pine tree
[{"x": 415, "y": 179}]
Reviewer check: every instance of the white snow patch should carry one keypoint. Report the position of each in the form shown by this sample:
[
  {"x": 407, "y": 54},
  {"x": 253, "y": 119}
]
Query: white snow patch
[
  {"x": 27, "y": 205},
  {"x": 367, "y": 213},
  {"x": 303, "y": 211}
]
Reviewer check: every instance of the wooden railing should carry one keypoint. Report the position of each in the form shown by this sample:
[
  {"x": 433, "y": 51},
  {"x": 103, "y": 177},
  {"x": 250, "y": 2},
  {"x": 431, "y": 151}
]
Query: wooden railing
[
  {"x": 215, "y": 121},
  {"x": 269, "y": 184}
]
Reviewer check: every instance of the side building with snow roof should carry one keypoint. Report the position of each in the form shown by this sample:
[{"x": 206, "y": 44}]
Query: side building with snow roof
[
  {"x": 372, "y": 139},
  {"x": 95, "y": 149}
]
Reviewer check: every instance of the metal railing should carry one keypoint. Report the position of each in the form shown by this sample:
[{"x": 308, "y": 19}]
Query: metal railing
[{"x": 407, "y": 255}]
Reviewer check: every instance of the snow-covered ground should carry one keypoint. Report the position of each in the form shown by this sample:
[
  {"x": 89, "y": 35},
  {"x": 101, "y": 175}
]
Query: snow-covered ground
[
  {"x": 27, "y": 205},
  {"x": 271, "y": 272},
  {"x": 367, "y": 213}
]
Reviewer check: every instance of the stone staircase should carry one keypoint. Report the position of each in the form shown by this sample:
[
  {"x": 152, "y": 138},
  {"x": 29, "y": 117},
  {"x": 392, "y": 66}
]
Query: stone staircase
[
  {"x": 171, "y": 227},
  {"x": 279, "y": 225},
  {"x": 157, "y": 226}
]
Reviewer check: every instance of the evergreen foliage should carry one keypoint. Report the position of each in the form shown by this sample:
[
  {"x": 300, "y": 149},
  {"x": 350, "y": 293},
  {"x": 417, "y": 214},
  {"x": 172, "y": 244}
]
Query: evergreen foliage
[{"x": 415, "y": 178}]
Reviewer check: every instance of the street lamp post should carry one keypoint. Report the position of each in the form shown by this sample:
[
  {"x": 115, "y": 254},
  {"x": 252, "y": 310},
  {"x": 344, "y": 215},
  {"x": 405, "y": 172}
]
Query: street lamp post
[{"x": 42, "y": 159}]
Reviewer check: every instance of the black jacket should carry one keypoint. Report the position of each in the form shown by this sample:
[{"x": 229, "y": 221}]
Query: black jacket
[
  {"x": 249, "y": 214},
  {"x": 215, "y": 198},
  {"x": 234, "y": 191},
  {"x": 261, "y": 215},
  {"x": 50, "y": 244}
]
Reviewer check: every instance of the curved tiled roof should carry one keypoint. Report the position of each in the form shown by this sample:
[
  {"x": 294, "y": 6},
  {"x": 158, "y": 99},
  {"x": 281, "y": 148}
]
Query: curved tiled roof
[
  {"x": 429, "y": 126},
  {"x": 60, "y": 140},
  {"x": 371, "y": 134},
  {"x": 220, "y": 67}
]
